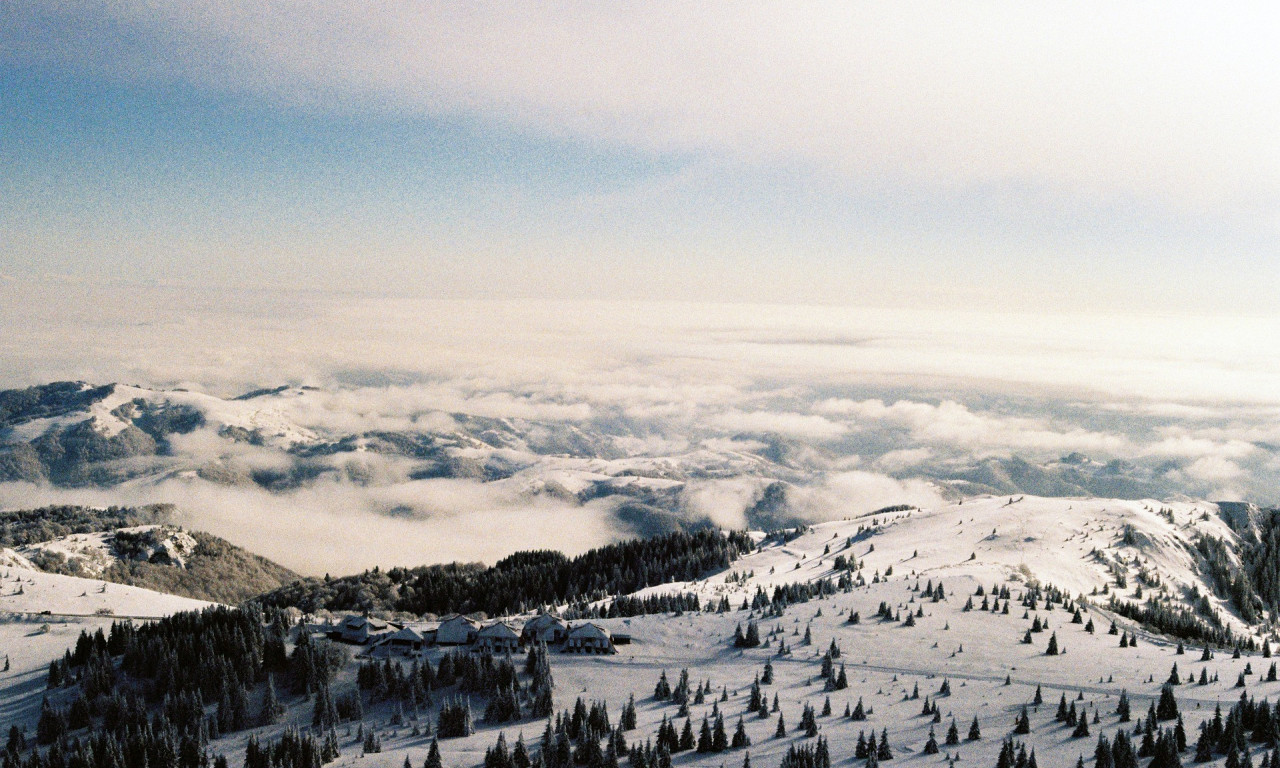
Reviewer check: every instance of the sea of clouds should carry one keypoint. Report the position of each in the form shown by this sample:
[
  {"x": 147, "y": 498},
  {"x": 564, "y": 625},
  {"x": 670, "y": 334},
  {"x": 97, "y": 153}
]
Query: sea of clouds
[{"x": 869, "y": 406}]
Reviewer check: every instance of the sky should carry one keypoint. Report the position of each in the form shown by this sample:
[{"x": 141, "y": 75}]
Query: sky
[{"x": 1089, "y": 156}]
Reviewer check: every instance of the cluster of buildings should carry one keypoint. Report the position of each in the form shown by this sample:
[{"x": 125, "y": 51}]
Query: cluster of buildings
[{"x": 390, "y": 638}]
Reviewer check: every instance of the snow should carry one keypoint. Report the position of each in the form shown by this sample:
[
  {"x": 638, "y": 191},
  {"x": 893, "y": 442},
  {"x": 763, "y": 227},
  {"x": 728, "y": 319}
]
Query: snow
[
  {"x": 42, "y": 614},
  {"x": 1048, "y": 539},
  {"x": 267, "y": 416},
  {"x": 973, "y": 650},
  {"x": 980, "y": 542},
  {"x": 95, "y": 552}
]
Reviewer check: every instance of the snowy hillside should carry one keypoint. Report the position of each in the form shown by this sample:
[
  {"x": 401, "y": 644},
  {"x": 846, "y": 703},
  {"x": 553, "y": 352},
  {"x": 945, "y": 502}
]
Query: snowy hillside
[
  {"x": 42, "y": 614},
  {"x": 970, "y": 608},
  {"x": 1077, "y": 545},
  {"x": 90, "y": 554}
]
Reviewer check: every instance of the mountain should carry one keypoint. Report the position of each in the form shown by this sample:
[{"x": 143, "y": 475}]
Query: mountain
[
  {"x": 980, "y": 630},
  {"x": 109, "y": 545},
  {"x": 1177, "y": 556},
  {"x": 643, "y": 479},
  {"x": 78, "y": 435}
]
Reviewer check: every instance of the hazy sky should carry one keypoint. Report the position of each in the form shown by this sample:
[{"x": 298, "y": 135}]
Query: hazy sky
[{"x": 1106, "y": 155}]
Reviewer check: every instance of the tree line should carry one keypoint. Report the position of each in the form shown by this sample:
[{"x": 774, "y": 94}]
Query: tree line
[{"x": 522, "y": 581}]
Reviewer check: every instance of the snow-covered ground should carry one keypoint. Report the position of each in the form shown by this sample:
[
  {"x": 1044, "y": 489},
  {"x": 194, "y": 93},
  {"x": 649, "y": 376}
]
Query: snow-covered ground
[
  {"x": 986, "y": 539},
  {"x": 42, "y": 614},
  {"x": 1050, "y": 540},
  {"x": 92, "y": 553},
  {"x": 987, "y": 542}
]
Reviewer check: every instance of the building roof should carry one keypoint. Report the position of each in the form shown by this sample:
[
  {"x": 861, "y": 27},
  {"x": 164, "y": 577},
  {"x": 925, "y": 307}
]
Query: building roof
[
  {"x": 500, "y": 631},
  {"x": 459, "y": 618},
  {"x": 356, "y": 622},
  {"x": 406, "y": 635},
  {"x": 544, "y": 620},
  {"x": 589, "y": 631}
]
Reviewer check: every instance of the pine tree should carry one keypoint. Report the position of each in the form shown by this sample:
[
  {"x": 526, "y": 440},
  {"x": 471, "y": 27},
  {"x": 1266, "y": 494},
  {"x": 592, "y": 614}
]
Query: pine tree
[
  {"x": 719, "y": 739},
  {"x": 1167, "y": 709},
  {"x": 931, "y": 746},
  {"x": 1122, "y": 706},
  {"x": 883, "y": 752},
  {"x": 704, "y": 737},
  {"x": 1022, "y": 725},
  {"x": 975, "y": 732},
  {"x": 686, "y": 740},
  {"x": 272, "y": 709},
  {"x": 1102, "y": 753},
  {"x": 1082, "y": 727}
]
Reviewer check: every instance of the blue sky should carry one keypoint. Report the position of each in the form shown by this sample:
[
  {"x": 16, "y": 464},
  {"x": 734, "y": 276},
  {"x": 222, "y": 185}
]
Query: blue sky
[{"x": 1099, "y": 156}]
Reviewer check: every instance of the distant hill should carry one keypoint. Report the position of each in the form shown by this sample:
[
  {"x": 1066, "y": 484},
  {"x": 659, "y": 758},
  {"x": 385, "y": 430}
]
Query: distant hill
[{"x": 138, "y": 547}]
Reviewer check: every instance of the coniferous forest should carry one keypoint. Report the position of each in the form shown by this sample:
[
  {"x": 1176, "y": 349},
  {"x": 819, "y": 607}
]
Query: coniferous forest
[{"x": 521, "y": 581}]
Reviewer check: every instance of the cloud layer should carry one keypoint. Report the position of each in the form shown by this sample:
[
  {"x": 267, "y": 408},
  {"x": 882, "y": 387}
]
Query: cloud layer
[{"x": 849, "y": 411}]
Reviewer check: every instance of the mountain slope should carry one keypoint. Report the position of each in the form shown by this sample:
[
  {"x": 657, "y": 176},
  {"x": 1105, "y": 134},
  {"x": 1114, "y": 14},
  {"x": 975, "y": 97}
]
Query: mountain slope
[
  {"x": 158, "y": 555},
  {"x": 1135, "y": 551}
]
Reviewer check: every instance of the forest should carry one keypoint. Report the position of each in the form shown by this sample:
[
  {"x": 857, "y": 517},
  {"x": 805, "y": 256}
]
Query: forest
[{"x": 521, "y": 581}]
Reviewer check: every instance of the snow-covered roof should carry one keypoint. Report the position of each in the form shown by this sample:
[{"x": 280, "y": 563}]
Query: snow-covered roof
[
  {"x": 356, "y": 622},
  {"x": 544, "y": 620},
  {"x": 499, "y": 630},
  {"x": 406, "y": 635},
  {"x": 589, "y": 631},
  {"x": 459, "y": 619}
]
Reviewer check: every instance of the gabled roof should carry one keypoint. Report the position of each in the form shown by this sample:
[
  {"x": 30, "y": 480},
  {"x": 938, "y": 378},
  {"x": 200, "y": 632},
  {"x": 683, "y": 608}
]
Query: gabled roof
[
  {"x": 545, "y": 620},
  {"x": 459, "y": 618},
  {"x": 587, "y": 631},
  {"x": 356, "y": 622},
  {"x": 406, "y": 635},
  {"x": 499, "y": 630}
]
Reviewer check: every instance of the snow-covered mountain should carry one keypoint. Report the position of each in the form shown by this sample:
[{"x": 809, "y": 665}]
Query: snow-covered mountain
[
  {"x": 946, "y": 599},
  {"x": 280, "y": 440},
  {"x": 1134, "y": 551}
]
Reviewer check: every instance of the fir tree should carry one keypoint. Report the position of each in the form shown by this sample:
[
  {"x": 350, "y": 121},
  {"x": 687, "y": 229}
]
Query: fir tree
[
  {"x": 433, "y": 755},
  {"x": 1022, "y": 724}
]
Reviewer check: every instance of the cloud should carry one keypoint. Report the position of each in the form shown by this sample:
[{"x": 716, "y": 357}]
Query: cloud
[
  {"x": 1092, "y": 99},
  {"x": 1214, "y": 469},
  {"x": 724, "y": 502},
  {"x": 789, "y": 424},
  {"x": 1179, "y": 442},
  {"x": 857, "y": 492},
  {"x": 697, "y": 395},
  {"x": 903, "y": 459},
  {"x": 733, "y": 444},
  {"x": 338, "y": 528},
  {"x": 949, "y": 424}
]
